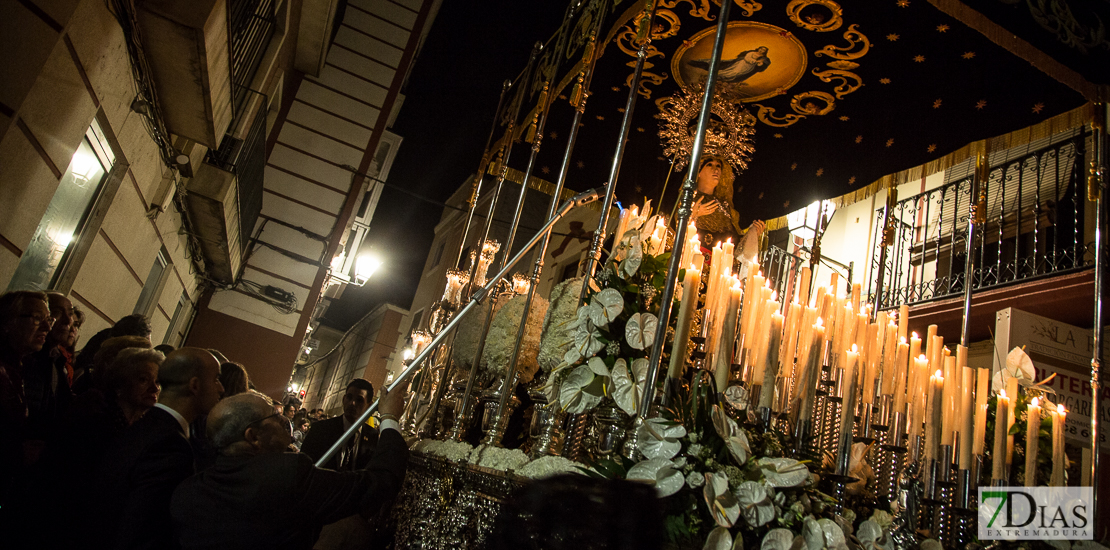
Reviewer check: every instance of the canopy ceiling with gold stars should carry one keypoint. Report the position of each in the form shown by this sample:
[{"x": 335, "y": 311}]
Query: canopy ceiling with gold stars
[{"x": 842, "y": 92}]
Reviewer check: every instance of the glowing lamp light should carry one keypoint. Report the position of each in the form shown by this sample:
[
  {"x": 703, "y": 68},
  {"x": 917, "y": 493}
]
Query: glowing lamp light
[
  {"x": 84, "y": 165},
  {"x": 803, "y": 223},
  {"x": 365, "y": 266}
]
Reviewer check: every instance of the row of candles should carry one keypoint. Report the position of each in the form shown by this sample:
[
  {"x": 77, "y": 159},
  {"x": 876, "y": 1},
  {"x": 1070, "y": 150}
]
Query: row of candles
[{"x": 782, "y": 346}]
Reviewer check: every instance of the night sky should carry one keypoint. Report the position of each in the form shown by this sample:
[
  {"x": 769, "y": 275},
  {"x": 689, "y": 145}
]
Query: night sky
[{"x": 450, "y": 98}]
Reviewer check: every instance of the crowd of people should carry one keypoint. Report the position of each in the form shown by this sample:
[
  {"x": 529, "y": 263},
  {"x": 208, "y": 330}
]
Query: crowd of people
[{"x": 125, "y": 444}]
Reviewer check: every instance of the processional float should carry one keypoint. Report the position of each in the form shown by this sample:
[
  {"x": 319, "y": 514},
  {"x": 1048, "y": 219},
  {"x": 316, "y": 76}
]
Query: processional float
[{"x": 833, "y": 372}]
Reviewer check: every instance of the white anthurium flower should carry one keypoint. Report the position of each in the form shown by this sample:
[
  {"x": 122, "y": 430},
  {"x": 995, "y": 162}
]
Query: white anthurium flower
[
  {"x": 659, "y": 472},
  {"x": 628, "y": 388},
  {"x": 735, "y": 438},
  {"x": 882, "y": 518},
  {"x": 858, "y": 467},
  {"x": 721, "y": 502},
  {"x": 871, "y": 536},
  {"x": 834, "y": 535},
  {"x": 1020, "y": 366},
  {"x": 631, "y": 263},
  {"x": 778, "y": 539},
  {"x": 755, "y": 503},
  {"x": 812, "y": 534},
  {"x": 605, "y": 306},
  {"x": 719, "y": 539},
  {"x": 640, "y": 330},
  {"x": 930, "y": 544},
  {"x": 784, "y": 472},
  {"x": 597, "y": 365},
  {"x": 586, "y": 343},
  {"x": 659, "y": 438},
  {"x": 580, "y": 391}
]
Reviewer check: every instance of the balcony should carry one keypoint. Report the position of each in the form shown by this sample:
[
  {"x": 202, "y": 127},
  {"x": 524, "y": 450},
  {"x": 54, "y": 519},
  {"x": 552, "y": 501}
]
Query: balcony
[
  {"x": 201, "y": 56},
  {"x": 225, "y": 199}
]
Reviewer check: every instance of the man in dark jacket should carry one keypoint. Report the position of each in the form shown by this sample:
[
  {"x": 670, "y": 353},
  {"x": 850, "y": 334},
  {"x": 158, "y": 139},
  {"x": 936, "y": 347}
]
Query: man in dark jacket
[
  {"x": 138, "y": 477},
  {"x": 356, "y": 453},
  {"x": 259, "y": 497}
]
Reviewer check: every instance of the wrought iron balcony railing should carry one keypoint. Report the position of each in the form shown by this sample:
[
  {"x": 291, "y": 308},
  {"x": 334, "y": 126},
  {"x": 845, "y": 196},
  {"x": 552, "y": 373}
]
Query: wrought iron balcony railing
[
  {"x": 1034, "y": 227},
  {"x": 250, "y": 27}
]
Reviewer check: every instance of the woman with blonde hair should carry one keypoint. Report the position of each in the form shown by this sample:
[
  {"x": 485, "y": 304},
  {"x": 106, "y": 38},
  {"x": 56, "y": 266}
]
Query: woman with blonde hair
[{"x": 713, "y": 213}]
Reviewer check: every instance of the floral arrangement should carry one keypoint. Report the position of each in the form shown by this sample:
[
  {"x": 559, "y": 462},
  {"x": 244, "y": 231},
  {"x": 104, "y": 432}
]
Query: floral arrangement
[
  {"x": 455, "y": 451},
  {"x": 558, "y": 330},
  {"x": 606, "y": 354},
  {"x": 503, "y": 333},
  {"x": 547, "y": 466},
  {"x": 466, "y": 339},
  {"x": 507, "y": 460}
]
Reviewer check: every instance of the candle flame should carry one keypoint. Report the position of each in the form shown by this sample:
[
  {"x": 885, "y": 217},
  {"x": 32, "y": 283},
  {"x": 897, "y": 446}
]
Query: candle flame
[
  {"x": 728, "y": 240},
  {"x": 914, "y": 335},
  {"x": 1001, "y": 393},
  {"x": 939, "y": 375},
  {"x": 634, "y": 210},
  {"x": 855, "y": 349},
  {"x": 819, "y": 323},
  {"x": 922, "y": 357},
  {"x": 1035, "y": 402},
  {"x": 775, "y": 296},
  {"x": 1059, "y": 408},
  {"x": 902, "y": 340}
]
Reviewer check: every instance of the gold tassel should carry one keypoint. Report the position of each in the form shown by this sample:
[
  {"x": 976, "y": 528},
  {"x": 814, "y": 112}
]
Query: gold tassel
[
  {"x": 643, "y": 24},
  {"x": 576, "y": 92},
  {"x": 1094, "y": 175},
  {"x": 530, "y": 133}
]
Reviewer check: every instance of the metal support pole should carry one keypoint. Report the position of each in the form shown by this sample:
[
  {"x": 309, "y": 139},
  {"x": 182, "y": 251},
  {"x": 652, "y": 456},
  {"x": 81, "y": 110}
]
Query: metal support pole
[
  {"x": 975, "y": 217},
  {"x": 686, "y": 198},
  {"x": 884, "y": 244},
  {"x": 578, "y": 200},
  {"x": 476, "y": 193},
  {"x": 1097, "y": 180},
  {"x": 495, "y": 433},
  {"x": 594, "y": 258},
  {"x": 460, "y": 415}
]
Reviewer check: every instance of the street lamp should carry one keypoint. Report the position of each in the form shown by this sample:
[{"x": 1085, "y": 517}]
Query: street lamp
[
  {"x": 364, "y": 267},
  {"x": 803, "y": 223}
]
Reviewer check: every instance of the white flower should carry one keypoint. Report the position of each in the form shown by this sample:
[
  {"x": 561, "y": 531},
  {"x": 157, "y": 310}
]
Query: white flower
[
  {"x": 834, "y": 536},
  {"x": 812, "y": 534},
  {"x": 582, "y": 390},
  {"x": 694, "y": 449},
  {"x": 502, "y": 337},
  {"x": 783, "y": 472},
  {"x": 547, "y": 466},
  {"x": 659, "y": 472},
  {"x": 659, "y": 438},
  {"x": 606, "y": 306},
  {"x": 735, "y": 438},
  {"x": 871, "y": 536},
  {"x": 882, "y": 518},
  {"x": 755, "y": 503},
  {"x": 640, "y": 330},
  {"x": 631, "y": 263},
  {"x": 498, "y": 458},
  {"x": 720, "y": 539},
  {"x": 695, "y": 480},
  {"x": 721, "y": 502},
  {"x": 628, "y": 389},
  {"x": 559, "y": 324},
  {"x": 456, "y": 451},
  {"x": 777, "y": 539}
]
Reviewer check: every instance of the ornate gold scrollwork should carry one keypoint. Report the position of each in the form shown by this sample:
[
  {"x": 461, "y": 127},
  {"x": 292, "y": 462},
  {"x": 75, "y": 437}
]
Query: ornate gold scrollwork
[
  {"x": 626, "y": 41},
  {"x": 748, "y": 7},
  {"x": 673, "y": 24},
  {"x": 807, "y": 103},
  {"x": 701, "y": 11},
  {"x": 849, "y": 81},
  {"x": 646, "y": 77},
  {"x": 858, "y": 46},
  {"x": 833, "y": 22},
  {"x": 767, "y": 116}
]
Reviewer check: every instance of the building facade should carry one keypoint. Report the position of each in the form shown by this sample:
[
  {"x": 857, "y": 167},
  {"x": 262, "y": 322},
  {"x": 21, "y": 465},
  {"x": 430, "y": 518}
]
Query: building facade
[{"x": 212, "y": 165}]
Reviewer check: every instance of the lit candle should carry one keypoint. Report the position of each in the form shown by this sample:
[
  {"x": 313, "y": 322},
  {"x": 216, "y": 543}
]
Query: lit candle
[
  {"x": 847, "y": 414},
  {"x": 622, "y": 225},
  {"x": 727, "y": 337},
  {"x": 950, "y": 420},
  {"x": 982, "y": 393},
  {"x": 857, "y": 292},
  {"x": 1032, "y": 433},
  {"x": 890, "y": 352},
  {"x": 900, "y": 362},
  {"x": 967, "y": 416},
  {"x": 790, "y": 338},
  {"x": 998, "y": 457},
  {"x": 873, "y": 335},
  {"x": 1058, "y": 418},
  {"x": 807, "y": 386},
  {"x": 767, "y": 397},
  {"x": 935, "y": 422},
  {"x": 803, "y": 287},
  {"x": 917, "y": 404},
  {"x": 690, "y": 284},
  {"x": 1012, "y": 391}
]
